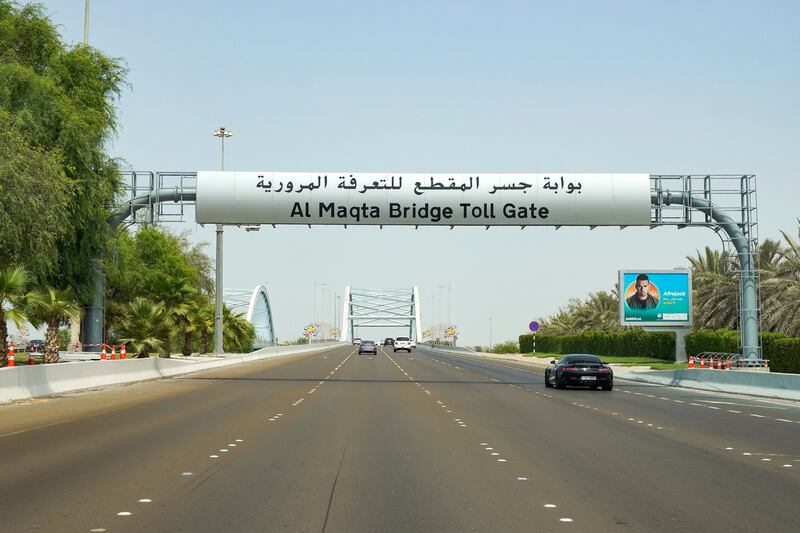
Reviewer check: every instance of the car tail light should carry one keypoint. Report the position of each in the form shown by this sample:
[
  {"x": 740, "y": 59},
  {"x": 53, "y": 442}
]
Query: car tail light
[
  {"x": 571, "y": 368},
  {"x": 605, "y": 369}
]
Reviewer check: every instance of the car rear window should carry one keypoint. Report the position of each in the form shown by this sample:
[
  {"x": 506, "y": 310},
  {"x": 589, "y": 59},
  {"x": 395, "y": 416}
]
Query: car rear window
[
  {"x": 577, "y": 359},
  {"x": 402, "y": 338}
]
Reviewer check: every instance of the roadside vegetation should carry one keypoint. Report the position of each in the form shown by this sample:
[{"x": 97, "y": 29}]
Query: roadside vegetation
[
  {"x": 592, "y": 324},
  {"x": 58, "y": 187}
]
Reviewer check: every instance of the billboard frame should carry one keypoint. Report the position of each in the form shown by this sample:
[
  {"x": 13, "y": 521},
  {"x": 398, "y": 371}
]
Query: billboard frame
[{"x": 666, "y": 325}]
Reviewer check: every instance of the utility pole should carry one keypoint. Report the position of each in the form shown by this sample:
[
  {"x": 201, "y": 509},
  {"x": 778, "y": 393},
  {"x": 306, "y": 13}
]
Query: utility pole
[
  {"x": 222, "y": 133},
  {"x": 490, "y": 334}
]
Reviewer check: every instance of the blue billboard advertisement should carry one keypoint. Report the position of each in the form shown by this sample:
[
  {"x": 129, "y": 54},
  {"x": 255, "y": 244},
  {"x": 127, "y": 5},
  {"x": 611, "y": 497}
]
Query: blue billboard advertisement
[{"x": 655, "y": 297}]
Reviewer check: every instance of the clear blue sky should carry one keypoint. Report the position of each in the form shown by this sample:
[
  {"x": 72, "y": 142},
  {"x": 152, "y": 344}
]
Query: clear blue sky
[{"x": 623, "y": 86}]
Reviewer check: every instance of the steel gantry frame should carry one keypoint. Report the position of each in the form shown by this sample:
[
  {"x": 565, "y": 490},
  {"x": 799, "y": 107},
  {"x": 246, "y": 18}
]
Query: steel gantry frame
[
  {"x": 725, "y": 203},
  {"x": 381, "y": 308}
]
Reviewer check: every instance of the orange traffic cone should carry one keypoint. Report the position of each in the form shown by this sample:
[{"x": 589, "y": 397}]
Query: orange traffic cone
[
  {"x": 691, "y": 361},
  {"x": 719, "y": 363},
  {"x": 122, "y": 352},
  {"x": 113, "y": 351},
  {"x": 11, "y": 353},
  {"x": 103, "y": 353},
  {"x": 728, "y": 363},
  {"x": 702, "y": 363}
]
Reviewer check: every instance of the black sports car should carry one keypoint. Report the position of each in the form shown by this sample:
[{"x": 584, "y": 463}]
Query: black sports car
[{"x": 579, "y": 370}]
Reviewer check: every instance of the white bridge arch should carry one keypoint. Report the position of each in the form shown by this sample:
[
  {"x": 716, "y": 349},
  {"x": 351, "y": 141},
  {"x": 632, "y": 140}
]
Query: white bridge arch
[{"x": 255, "y": 306}]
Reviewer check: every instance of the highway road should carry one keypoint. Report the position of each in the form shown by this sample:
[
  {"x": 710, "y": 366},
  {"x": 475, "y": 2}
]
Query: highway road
[{"x": 336, "y": 442}]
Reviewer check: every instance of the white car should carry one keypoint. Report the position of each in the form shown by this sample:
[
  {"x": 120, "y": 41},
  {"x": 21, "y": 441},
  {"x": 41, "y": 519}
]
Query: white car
[
  {"x": 357, "y": 340},
  {"x": 403, "y": 343}
]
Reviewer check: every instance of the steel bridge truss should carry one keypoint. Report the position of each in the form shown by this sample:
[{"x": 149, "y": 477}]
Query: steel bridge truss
[{"x": 381, "y": 308}]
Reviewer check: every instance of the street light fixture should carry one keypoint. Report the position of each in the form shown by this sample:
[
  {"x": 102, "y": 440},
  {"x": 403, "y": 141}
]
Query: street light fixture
[{"x": 222, "y": 132}]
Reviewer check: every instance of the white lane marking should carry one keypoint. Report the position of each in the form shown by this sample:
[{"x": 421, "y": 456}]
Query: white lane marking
[
  {"x": 734, "y": 411},
  {"x": 186, "y": 473},
  {"x": 783, "y": 420},
  {"x": 565, "y": 519},
  {"x": 550, "y": 505},
  {"x": 766, "y": 459},
  {"x": 678, "y": 401},
  {"x": 747, "y": 453},
  {"x": 696, "y": 404},
  {"x": 223, "y": 450},
  {"x": 495, "y": 380},
  {"x": 231, "y": 445},
  {"x": 124, "y": 513},
  {"x": 494, "y": 453},
  {"x": 484, "y": 444},
  {"x": 757, "y": 416},
  {"x": 97, "y": 530},
  {"x": 728, "y": 448},
  {"x": 501, "y": 460},
  {"x": 145, "y": 500},
  {"x": 489, "y": 449},
  {"x": 213, "y": 456},
  {"x": 522, "y": 479},
  {"x": 787, "y": 466}
]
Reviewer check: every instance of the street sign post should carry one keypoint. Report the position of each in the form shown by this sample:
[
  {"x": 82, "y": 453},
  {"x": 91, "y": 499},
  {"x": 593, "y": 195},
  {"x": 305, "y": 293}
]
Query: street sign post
[{"x": 534, "y": 327}]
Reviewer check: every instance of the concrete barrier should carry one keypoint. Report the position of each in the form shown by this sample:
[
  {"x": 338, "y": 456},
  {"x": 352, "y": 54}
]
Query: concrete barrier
[
  {"x": 766, "y": 384},
  {"x": 24, "y": 382}
]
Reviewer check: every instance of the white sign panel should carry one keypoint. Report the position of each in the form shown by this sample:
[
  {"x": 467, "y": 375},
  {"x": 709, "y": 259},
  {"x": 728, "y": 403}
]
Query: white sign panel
[{"x": 335, "y": 198}]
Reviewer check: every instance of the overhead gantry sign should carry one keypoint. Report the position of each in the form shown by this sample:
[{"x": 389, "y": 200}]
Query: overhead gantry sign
[{"x": 248, "y": 198}]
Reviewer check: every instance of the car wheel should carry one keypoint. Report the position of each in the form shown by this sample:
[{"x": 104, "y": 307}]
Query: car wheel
[
  {"x": 608, "y": 387},
  {"x": 547, "y": 381},
  {"x": 395, "y": 351}
]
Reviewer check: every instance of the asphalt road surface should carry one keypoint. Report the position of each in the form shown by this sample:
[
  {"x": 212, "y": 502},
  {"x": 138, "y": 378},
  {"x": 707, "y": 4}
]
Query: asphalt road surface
[{"x": 337, "y": 442}]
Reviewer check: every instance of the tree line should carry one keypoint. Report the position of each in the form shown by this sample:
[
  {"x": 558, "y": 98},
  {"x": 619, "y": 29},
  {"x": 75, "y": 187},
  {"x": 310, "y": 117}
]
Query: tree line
[
  {"x": 715, "y": 284},
  {"x": 58, "y": 188}
]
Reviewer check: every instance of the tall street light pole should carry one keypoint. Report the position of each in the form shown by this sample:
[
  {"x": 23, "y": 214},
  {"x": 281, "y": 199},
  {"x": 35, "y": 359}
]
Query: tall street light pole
[
  {"x": 490, "y": 334},
  {"x": 86, "y": 23},
  {"x": 222, "y": 132}
]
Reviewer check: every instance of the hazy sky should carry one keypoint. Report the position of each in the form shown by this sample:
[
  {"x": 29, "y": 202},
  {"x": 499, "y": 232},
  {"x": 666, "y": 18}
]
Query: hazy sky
[{"x": 466, "y": 86}]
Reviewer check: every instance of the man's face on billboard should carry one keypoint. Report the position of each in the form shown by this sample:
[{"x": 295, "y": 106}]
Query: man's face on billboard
[{"x": 642, "y": 287}]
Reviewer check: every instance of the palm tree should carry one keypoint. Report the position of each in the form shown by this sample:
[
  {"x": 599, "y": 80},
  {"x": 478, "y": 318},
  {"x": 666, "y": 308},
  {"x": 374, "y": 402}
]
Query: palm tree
[
  {"x": 15, "y": 303},
  {"x": 143, "y": 327},
  {"x": 238, "y": 333},
  {"x": 54, "y": 309},
  {"x": 716, "y": 289},
  {"x": 599, "y": 311},
  {"x": 204, "y": 326},
  {"x": 176, "y": 294}
]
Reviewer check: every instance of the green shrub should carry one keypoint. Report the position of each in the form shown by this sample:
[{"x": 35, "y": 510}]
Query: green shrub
[
  {"x": 783, "y": 355},
  {"x": 712, "y": 340},
  {"x": 624, "y": 343},
  {"x": 506, "y": 347}
]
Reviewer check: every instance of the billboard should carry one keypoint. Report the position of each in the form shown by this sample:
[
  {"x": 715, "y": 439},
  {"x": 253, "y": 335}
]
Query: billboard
[
  {"x": 397, "y": 198},
  {"x": 655, "y": 297}
]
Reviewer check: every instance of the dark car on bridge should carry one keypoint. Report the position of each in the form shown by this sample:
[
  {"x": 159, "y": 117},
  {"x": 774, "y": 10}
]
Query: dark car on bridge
[
  {"x": 388, "y": 341},
  {"x": 368, "y": 347},
  {"x": 579, "y": 370}
]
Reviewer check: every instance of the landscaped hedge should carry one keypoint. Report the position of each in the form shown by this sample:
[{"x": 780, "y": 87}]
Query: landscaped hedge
[
  {"x": 712, "y": 340},
  {"x": 624, "y": 342},
  {"x": 782, "y": 352}
]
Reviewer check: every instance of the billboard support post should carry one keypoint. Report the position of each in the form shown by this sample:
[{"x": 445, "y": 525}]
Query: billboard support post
[{"x": 680, "y": 341}]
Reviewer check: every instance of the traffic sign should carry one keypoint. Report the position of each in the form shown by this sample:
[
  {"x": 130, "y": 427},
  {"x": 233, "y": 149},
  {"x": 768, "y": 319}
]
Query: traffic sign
[{"x": 533, "y": 326}]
